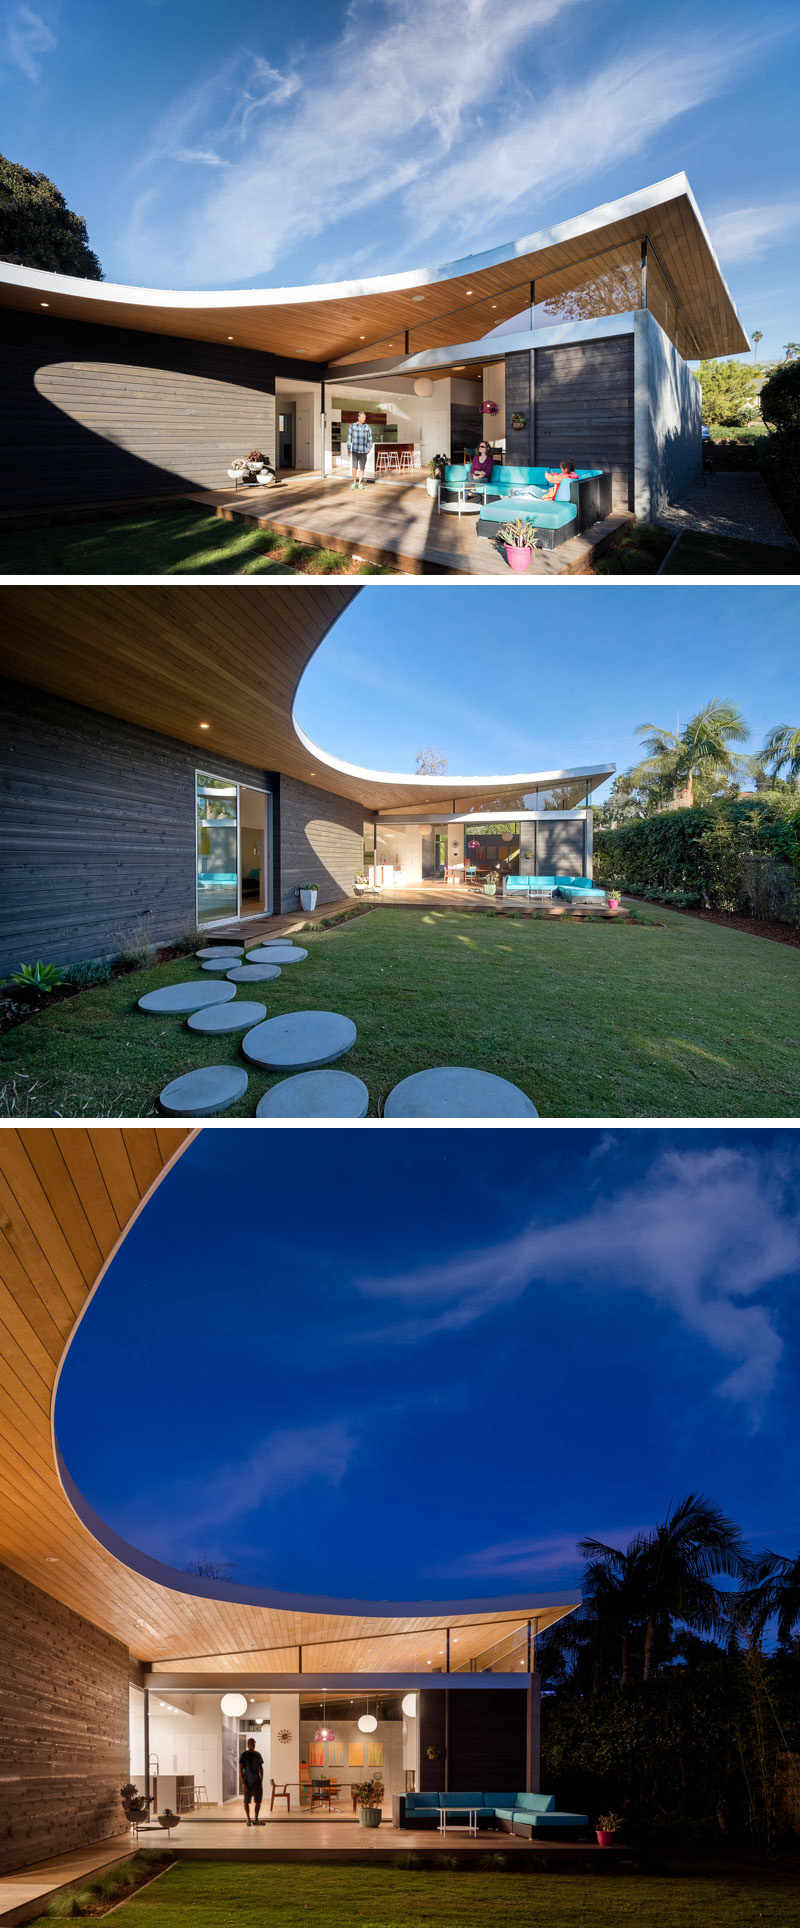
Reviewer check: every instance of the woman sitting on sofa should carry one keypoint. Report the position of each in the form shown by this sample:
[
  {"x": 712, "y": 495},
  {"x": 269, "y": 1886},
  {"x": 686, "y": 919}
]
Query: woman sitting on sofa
[
  {"x": 564, "y": 473},
  {"x": 480, "y": 468}
]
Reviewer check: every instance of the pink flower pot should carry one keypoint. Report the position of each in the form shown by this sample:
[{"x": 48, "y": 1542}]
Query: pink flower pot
[
  {"x": 518, "y": 559},
  {"x": 613, "y": 903},
  {"x": 603, "y": 1840}
]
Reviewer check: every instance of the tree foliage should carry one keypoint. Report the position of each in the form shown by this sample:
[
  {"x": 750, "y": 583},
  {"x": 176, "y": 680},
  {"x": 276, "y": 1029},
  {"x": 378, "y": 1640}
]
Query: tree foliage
[
  {"x": 780, "y": 401},
  {"x": 38, "y": 229},
  {"x": 703, "y": 855},
  {"x": 727, "y": 386},
  {"x": 699, "y": 762},
  {"x": 430, "y": 763}
]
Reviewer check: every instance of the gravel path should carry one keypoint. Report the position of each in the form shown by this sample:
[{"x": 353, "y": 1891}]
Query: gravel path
[{"x": 729, "y": 505}]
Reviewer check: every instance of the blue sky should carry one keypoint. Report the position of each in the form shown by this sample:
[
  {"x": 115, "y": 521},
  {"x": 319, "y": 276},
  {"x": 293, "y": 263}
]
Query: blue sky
[
  {"x": 512, "y": 682},
  {"x": 213, "y": 147},
  {"x": 305, "y": 1334}
]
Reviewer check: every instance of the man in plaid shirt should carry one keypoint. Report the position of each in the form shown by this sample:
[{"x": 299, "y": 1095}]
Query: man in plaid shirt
[{"x": 359, "y": 443}]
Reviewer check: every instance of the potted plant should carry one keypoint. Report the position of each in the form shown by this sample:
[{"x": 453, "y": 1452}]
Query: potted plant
[
  {"x": 255, "y": 461},
  {"x": 135, "y": 1804},
  {"x": 369, "y": 1797},
  {"x": 492, "y": 881},
  {"x": 613, "y": 897},
  {"x": 608, "y": 1825},
  {"x": 516, "y": 537},
  {"x": 308, "y": 896},
  {"x": 436, "y": 469},
  {"x": 238, "y": 470},
  {"x": 168, "y": 1820}
]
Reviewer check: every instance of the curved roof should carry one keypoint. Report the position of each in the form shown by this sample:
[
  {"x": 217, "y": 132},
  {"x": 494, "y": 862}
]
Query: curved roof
[
  {"x": 67, "y": 1200},
  {"x": 460, "y": 301},
  {"x": 174, "y": 658}
]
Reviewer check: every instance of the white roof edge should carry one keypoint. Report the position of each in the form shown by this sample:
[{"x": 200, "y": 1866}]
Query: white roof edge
[
  {"x": 445, "y": 785},
  {"x": 39, "y": 279}
]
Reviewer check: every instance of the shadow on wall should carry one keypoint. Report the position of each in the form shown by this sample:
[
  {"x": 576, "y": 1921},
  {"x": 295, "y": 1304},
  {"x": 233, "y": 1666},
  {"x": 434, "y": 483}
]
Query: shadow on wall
[
  {"x": 323, "y": 849},
  {"x": 93, "y": 414}
]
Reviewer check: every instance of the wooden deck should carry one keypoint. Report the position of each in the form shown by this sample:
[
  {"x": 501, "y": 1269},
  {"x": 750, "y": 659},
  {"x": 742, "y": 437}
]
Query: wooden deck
[
  {"x": 252, "y": 931},
  {"x": 397, "y": 523}
]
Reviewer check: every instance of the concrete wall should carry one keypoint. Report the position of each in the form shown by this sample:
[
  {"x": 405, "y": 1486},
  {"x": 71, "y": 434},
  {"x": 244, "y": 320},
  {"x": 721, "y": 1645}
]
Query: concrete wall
[
  {"x": 98, "y": 829},
  {"x": 668, "y": 413},
  {"x": 63, "y": 1727},
  {"x": 320, "y": 839}
]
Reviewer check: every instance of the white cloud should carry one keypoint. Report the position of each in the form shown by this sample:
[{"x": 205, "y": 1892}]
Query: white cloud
[
  {"x": 27, "y": 36},
  {"x": 704, "y": 1234},
  {"x": 530, "y": 1558},
  {"x": 279, "y": 1464},
  {"x": 745, "y": 234},
  {"x": 419, "y": 111}
]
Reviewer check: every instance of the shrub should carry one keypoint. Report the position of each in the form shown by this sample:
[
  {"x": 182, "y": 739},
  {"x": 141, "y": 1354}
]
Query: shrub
[
  {"x": 90, "y": 970},
  {"x": 727, "y": 386},
  {"x": 135, "y": 943},
  {"x": 38, "y": 976},
  {"x": 723, "y": 855},
  {"x": 780, "y": 400}
]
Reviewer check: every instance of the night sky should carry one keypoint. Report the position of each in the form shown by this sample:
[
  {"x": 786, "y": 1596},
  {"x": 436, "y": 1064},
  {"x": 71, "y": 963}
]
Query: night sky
[{"x": 423, "y": 1363}]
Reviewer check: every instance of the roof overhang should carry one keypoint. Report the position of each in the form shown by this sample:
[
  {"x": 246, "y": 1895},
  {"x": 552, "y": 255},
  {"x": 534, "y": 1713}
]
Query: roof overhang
[
  {"x": 68, "y": 1199},
  {"x": 172, "y": 659},
  {"x": 466, "y": 298}
]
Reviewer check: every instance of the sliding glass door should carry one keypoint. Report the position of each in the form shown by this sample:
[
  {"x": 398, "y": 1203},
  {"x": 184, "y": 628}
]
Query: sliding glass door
[{"x": 233, "y": 878}]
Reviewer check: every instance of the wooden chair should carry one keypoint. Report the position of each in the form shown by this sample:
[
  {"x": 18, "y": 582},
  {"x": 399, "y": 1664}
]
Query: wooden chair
[{"x": 280, "y": 1794}]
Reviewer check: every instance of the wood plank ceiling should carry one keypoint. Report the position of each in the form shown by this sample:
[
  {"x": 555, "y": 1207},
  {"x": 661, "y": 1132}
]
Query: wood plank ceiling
[
  {"x": 67, "y": 1197},
  {"x": 173, "y": 658},
  {"x": 321, "y": 328}
]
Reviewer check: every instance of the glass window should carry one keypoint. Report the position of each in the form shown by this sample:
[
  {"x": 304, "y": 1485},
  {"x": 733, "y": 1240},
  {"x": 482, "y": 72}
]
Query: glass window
[
  {"x": 217, "y": 817},
  {"x": 491, "y": 848},
  {"x": 607, "y": 284}
]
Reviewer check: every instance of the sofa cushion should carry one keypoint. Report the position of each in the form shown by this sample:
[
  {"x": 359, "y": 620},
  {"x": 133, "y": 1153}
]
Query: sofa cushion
[
  {"x": 461, "y": 1800},
  {"x": 544, "y": 515},
  {"x": 504, "y": 1814},
  {"x": 551, "y": 1820},
  {"x": 536, "y": 1803},
  {"x": 416, "y": 1800}
]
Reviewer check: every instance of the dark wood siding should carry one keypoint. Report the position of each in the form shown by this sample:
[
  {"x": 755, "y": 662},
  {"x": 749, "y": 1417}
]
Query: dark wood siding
[
  {"x": 560, "y": 848},
  {"x": 94, "y": 414},
  {"x": 98, "y": 829},
  {"x": 466, "y": 425},
  {"x": 321, "y": 838},
  {"x": 488, "y": 1739},
  {"x": 63, "y": 1727},
  {"x": 432, "y": 1733},
  {"x": 583, "y": 409},
  {"x": 519, "y": 441}
]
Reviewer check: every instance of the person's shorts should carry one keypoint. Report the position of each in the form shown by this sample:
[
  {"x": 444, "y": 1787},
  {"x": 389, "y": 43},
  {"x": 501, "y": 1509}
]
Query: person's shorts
[
  {"x": 253, "y": 1791},
  {"x": 359, "y": 459}
]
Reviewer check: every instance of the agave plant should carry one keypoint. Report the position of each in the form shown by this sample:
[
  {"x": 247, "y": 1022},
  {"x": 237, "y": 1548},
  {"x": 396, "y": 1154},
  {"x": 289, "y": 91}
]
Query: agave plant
[
  {"x": 39, "y": 976},
  {"x": 518, "y": 534}
]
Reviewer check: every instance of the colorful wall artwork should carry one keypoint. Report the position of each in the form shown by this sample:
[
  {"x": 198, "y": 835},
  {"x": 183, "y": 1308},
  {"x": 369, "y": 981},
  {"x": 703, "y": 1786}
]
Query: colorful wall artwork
[
  {"x": 375, "y": 1754},
  {"x": 335, "y": 1751},
  {"x": 316, "y": 1753},
  {"x": 355, "y": 1754}
]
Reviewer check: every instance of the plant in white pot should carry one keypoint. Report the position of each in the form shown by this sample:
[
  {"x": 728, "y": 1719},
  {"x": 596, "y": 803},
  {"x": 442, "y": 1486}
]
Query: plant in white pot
[
  {"x": 308, "y": 896},
  {"x": 436, "y": 469},
  {"x": 369, "y": 1797}
]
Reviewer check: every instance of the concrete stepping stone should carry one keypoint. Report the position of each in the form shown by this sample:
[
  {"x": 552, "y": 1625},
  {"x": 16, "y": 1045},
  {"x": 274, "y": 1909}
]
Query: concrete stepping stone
[
  {"x": 221, "y": 964},
  {"x": 455, "y": 1091},
  {"x": 277, "y": 954},
  {"x": 219, "y": 950},
  {"x": 200, "y": 1094},
  {"x": 316, "y": 1094},
  {"x": 299, "y": 1040},
  {"x": 186, "y": 996},
  {"x": 253, "y": 973},
  {"x": 226, "y": 1017}
]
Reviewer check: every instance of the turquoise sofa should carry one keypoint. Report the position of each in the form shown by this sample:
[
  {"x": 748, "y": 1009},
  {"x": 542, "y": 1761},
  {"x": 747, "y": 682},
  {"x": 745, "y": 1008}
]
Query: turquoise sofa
[
  {"x": 517, "y": 491},
  {"x": 570, "y": 888},
  {"x": 512, "y": 1813}
]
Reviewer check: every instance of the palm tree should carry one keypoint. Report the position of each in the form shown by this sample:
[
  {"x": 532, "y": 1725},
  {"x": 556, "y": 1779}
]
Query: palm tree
[
  {"x": 612, "y": 1589},
  {"x": 791, "y": 350},
  {"x": 680, "y": 1559},
  {"x": 699, "y": 760},
  {"x": 782, "y": 749},
  {"x": 756, "y": 337}
]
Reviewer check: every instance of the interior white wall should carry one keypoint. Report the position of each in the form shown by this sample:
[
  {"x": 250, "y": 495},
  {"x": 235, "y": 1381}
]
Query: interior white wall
[
  {"x": 284, "y": 1714},
  {"x": 190, "y": 1742},
  {"x": 401, "y": 844},
  {"x": 421, "y": 419},
  {"x": 136, "y": 1733},
  {"x": 306, "y": 399},
  {"x": 411, "y": 1745},
  {"x": 494, "y": 390}
]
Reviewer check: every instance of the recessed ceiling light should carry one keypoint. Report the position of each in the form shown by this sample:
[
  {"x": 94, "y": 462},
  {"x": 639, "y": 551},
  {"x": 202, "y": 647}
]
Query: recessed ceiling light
[
  {"x": 230, "y": 338},
  {"x": 362, "y": 337},
  {"x": 418, "y": 297},
  {"x": 205, "y": 726},
  {"x": 469, "y": 291},
  {"x": 44, "y": 304}
]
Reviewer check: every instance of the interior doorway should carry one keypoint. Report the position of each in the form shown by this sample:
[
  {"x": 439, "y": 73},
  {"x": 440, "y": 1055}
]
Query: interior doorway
[
  {"x": 252, "y": 850},
  {"x": 234, "y": 850},
  {"x": 286, "y": 435},
  {"x": 297, "y": 416}
]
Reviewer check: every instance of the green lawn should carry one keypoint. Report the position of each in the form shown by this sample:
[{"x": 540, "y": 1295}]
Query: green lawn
[
  {"x": 667, "y": 1016},
  {"x": 181, "y": 540},
  {"x": 225, "y": 1894},
  {"x": 704, "y": 555}
]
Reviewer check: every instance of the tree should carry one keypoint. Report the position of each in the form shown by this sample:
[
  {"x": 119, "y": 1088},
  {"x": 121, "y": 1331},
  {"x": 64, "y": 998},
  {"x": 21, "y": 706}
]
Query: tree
[
  {"x": 430, "y": 763},
  {"x": 780, "y": 401},
  {"x": 37, "y": 228},
  {"x": 791, "y": 350},
  {"x": 679, "y": 1560},
  {"x": 756, "y": 337},
  {"x": 698, "y": 763},
  {"x": 726, "y": 386},
  {"x": 207, "y": 1569},
  {"x": 782, "y": 751}
]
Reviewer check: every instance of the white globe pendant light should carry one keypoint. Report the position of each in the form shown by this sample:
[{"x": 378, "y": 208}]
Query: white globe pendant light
[
  {"x": 234, "y": 1705},
  {"x": 423, "y": 385},
  {"x": 409, "y": 1705},
  {"x": 367, "y": 1723}
]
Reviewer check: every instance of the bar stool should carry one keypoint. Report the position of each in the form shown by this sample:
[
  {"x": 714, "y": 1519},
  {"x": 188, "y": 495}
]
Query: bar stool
[
  {"x": 406, "y": 462},
  {"x": 185, "y": 1800},
  {"x": 381, "y": 461},
  {"x": 201, "y": 1795}
]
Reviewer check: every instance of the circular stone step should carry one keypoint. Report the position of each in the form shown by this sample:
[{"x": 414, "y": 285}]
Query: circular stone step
[
  {"x": 277, "y": 954},
  {"x": 199, "y": 1094},
  {"x": 300, "y": 1041},
  {"x": 316, "y": 1094},
  {"x": 221, "y": 964},
  {"x": 253, "y": 973},
  {"x": 226, "y": 1017},
  {"x": 186, "y": 996},
  {"x": 454, "y": 1091},
  {"x": 220, "y": 950}
]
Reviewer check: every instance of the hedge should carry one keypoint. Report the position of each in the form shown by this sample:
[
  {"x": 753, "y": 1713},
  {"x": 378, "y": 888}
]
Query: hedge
[{"x": 741, "y": 856}]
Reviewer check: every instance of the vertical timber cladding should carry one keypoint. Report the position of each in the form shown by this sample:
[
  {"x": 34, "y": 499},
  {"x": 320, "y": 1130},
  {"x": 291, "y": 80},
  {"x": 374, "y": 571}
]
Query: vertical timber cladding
[
  {"x": 519, "y": 406},
  {"x": 63, "y": 1727},
  {"x": 93, "y": 414},
  {"x": 561, "y": 847},
  {"x": 584, "y": 409},
  {"x": 99, "y": 839},
  {"x": 479, "y": 1739}
]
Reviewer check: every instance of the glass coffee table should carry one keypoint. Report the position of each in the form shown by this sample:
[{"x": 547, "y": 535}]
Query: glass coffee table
[{"x": 469, "y": 1825}]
